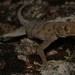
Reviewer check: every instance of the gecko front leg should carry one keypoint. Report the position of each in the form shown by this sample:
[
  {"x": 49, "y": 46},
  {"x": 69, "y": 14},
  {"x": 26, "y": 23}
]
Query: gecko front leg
[{"x": 41, "y": 47}]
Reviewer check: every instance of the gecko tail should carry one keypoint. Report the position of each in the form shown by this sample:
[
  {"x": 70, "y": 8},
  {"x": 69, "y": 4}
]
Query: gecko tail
[
  {"x": 19, "y": 32},
  {"x": 20, "y": 17}
]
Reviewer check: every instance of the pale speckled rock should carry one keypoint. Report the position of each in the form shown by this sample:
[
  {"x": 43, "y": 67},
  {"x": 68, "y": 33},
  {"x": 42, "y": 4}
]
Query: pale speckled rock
[
  {"x": 23, "y": 57},
  {"x": 59, "y": 68},
  {"x": 71, "y": 18},
  {"x": 27, "y": 47}
]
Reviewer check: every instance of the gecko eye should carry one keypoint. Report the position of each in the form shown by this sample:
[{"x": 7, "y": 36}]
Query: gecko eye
[{"x": 66, "y": 28}]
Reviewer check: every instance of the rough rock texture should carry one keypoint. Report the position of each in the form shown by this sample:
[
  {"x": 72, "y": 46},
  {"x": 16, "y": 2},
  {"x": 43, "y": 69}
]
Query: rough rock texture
[{"x": 60, "y": 68}]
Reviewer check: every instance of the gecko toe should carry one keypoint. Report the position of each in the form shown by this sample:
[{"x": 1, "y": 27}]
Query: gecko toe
[{"x": 45, "y": 66}]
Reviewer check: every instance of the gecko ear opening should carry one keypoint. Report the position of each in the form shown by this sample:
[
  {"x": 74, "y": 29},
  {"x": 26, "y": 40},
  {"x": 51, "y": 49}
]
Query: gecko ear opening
[{"x": 66, "y": 28}]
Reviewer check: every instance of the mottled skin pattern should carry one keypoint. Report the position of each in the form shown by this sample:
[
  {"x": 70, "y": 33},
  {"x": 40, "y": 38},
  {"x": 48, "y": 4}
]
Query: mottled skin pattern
[{"x": 46, "y": 31}]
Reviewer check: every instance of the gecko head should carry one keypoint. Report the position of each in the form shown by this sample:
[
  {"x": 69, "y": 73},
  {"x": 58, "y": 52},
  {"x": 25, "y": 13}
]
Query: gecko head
[{"x": 66, "y": 30}]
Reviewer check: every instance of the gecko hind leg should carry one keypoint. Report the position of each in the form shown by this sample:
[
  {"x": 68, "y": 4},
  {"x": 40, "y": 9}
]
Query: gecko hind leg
[{"x": 18, "y": 32}]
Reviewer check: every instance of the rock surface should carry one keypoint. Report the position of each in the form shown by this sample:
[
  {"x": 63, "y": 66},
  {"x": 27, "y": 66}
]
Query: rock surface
[{"x": 59, "y": 68}]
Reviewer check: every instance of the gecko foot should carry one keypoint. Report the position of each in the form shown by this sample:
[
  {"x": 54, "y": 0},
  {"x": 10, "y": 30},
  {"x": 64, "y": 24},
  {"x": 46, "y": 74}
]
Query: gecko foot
[{"x": 43, "y": 66}]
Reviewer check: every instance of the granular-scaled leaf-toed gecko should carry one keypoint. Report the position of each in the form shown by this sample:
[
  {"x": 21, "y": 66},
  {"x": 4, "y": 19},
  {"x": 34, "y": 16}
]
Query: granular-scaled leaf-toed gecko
[{"x": 46, "y": 31}]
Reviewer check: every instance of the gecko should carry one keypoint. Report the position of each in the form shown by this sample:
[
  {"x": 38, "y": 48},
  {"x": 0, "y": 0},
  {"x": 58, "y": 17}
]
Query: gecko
[{"x": 46, "y": 31}]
